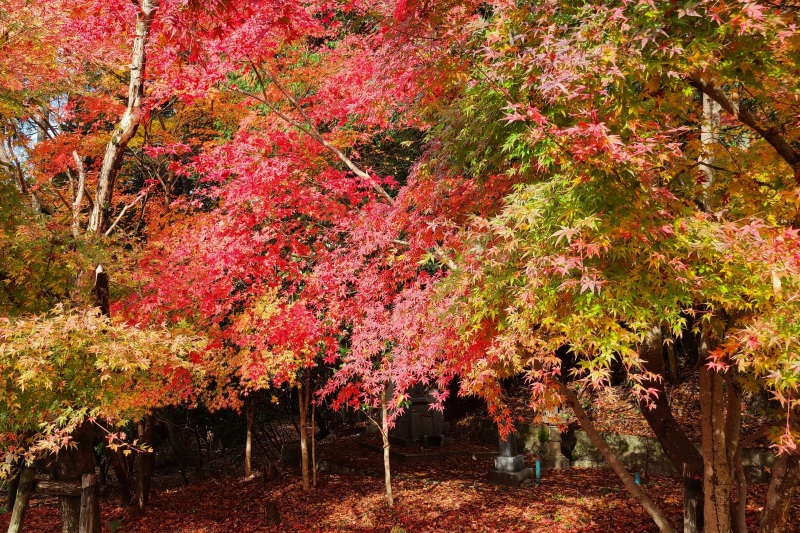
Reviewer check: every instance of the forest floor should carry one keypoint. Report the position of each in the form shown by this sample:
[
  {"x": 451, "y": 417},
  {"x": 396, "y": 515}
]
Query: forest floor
[{"x": 448, "y": 495}]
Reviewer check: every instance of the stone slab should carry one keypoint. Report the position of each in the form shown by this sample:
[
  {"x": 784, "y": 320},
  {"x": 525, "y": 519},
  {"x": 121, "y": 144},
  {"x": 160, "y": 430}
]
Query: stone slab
[{"x": 510, "y": 479}]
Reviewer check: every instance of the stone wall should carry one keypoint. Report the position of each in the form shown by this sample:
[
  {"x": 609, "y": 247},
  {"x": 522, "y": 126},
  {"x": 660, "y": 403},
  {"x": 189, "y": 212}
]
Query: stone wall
[{"x": 638, "y": 454}]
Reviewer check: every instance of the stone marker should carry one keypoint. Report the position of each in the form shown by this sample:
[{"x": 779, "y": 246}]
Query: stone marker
[
  {"x": 509, "y": 466},
  {"x": 553, "y": 458},
  {"x": 419, "y": 424}
]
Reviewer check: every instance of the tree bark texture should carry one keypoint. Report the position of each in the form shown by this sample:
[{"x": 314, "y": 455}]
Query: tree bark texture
[
  {"x": 248, "y": 445},
  {"x": 24, "y": 489},
  {"x": 716, "y": 469},
  {"x": 77, "y": 194},
  {"x": 387, "y": 471},
  {"x": 126, "y": 128},
  {"x": 145, "y": 461},
  {"x": 303, "y": 396},
  {"x": 11, "y": 487},
  {"x": 313, "y": 446},
  {"x": 782, "y": 487}
]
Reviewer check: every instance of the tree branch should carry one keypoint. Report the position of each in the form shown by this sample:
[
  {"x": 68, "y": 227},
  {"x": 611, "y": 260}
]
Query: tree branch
[{"x": 768, "y": 133}]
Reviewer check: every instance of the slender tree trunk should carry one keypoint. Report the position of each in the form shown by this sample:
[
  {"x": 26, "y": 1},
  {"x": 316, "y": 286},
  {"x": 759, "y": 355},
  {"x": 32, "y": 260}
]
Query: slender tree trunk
[
  {"x": 716, "y": 470},
  {"x": 313, "y": 447},
  {"x": 677, "y": 446},
  {"x": 145, "y": 461},
  {"x": 387, "y": 471},
  {"x": 303, "y": 395},
  {"x": 77, "y": 194},
  {"x": 177, "y": 445},
  {"x": 199, "y": 457},
  {"x": 692, "y": 502},
  {"x": 733, "y": 426},
  {"x": 118, "y": 463},
  {"x": 20, "y": 506},
  {"x": 122, "y": 472},
  {"x": 126, "y": 128},
  {"x": 12, "y": 485},
  {"x": 630, "y": 484},
  {"x": 101, "y": 296},
  {"x": 782, "y": 487},
  {"x": 248, "y": 445},
  {"x": 740, "y": 517}
]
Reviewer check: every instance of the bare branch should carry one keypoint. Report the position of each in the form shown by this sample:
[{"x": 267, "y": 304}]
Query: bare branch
[
  {"x": 311, "y": 130},
  {"x": 125, "y": 209}
]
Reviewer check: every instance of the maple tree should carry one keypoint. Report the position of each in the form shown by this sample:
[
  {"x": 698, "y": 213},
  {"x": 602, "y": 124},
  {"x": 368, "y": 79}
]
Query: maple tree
[
  {"x": 399, "y": 193},
  {"x": 583, "y": 255}
]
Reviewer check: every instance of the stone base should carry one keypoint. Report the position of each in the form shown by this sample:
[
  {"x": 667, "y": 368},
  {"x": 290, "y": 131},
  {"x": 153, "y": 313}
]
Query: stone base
[
  {"x": 559, "y": 462},
  {"x": 510, "y": 479}
]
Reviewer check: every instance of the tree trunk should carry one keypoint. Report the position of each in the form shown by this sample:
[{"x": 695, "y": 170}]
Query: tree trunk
[
  {"x": 303, "y": 395},
  {"x": 630, "y": 484},
  {"x": 677, "y": 446},
  {"x": 177, "y": 445},
  {"x": 126, "y": 128},
  {"x": 101, "y": 296},
  {"x": 716, "y": 469},
  {"x": 248, "y": 445},
  {"x": 782, "y": 487},
  {"x": 739, "y": 519},
  {"x": 785, "y": 477},
  {"x": 77, "y": 194},
  {"x": 70, "y": 465},
  {"x": 24, "y": 491},
  {"x": 313, "y": 447},
  {"x": 733, "y": 426},
  {"x": 387, "y": 472},
  {"x": 12, "y": 485},
  {"x": 122, "y": 472},
  {"x": 145, "y": 461}
]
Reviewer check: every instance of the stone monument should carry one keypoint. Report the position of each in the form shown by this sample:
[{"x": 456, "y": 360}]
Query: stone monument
[
  {"x": 553, "y": 458},
  {"x": 419, "y": 424},
  {"x": 509, "y": 467}
]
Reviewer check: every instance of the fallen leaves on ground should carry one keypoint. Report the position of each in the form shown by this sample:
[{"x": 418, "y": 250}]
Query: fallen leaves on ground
[{"x": 449, "y": 495}]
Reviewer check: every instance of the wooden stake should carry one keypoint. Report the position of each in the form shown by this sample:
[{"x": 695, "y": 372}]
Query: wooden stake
[{"x": 89, "y": 513}]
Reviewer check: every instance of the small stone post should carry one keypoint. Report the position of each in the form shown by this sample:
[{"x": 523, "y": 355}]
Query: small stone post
[{"x": 553, "y": 458}]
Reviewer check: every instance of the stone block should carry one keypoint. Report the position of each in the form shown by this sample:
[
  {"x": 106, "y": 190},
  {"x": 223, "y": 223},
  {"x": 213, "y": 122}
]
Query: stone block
[
  {"x": 510, "y": 479},
  {"x": 509, "y": 464},
  {"x": 508, "y": 446},
  {"x": 555, "y": 462},
  {"x": 290, "y": 453}
]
